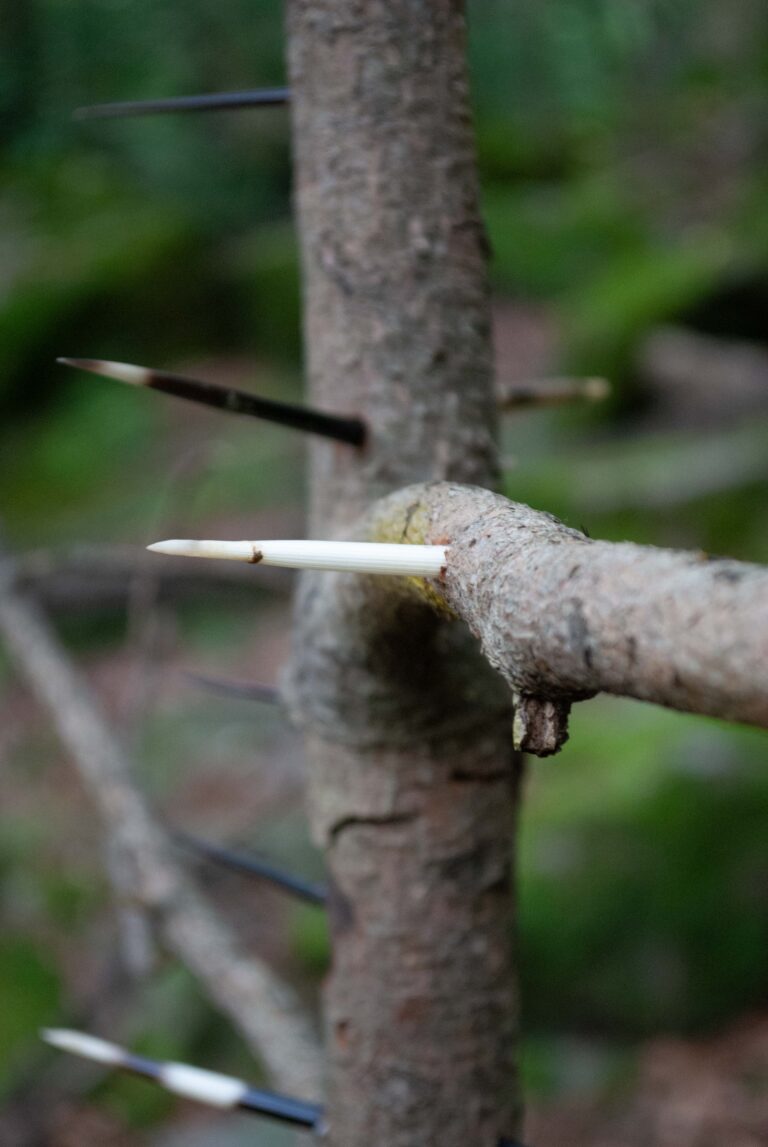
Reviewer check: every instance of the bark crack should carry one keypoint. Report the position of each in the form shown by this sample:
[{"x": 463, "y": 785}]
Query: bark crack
[{"x": 353, "y": 821}]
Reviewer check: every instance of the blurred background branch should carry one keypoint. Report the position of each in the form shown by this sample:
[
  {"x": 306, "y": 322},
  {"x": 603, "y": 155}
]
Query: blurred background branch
[{"x": 141, "y": 864}]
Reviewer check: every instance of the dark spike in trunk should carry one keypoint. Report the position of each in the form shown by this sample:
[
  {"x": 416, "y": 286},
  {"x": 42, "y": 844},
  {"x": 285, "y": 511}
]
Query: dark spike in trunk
[
  {"x": 245, "y": 690},
  {"x": 203, "y": 1086},
  {"x": 260, "y": 867},
  {"x": 349, "y": 430},
  {"x": 211, "y": 102}
]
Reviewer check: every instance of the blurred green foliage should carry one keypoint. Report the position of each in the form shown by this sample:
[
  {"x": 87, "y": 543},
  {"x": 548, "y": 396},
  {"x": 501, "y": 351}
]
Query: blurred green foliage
[
  {"x": 622, "y": 151},
  {"x": 643, "y": 851},
  {"x": 29, "y": 994},
  {"x": 311, "y": 938}
]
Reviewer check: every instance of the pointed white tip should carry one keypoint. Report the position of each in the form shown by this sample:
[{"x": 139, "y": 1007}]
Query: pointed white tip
[
  {"x": 190, "y": 548},
  {"x": 87, "y": 1046},
  {"x": 125, "y": 372},
  {"x": 122, "y": 371},
  {"x": 203, "y": 1086},
  {"x": 356, "y": 557}
]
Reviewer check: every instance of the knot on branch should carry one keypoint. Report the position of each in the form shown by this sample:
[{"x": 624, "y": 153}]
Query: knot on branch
[{"x": 540, "y": 726}]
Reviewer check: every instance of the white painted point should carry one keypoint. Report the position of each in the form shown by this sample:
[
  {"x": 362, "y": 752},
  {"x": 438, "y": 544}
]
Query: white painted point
[
  {"x": 357, "y": 557},
  {"x": 123, "y": 372},
  {"x": 205, "y": 1086},
  {"x": 88, "y": 1046}
]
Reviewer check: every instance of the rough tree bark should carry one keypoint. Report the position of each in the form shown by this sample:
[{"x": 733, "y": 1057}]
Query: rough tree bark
[
  {"x": 413, "y": 776},
  {"x": 403, "y": 685}
]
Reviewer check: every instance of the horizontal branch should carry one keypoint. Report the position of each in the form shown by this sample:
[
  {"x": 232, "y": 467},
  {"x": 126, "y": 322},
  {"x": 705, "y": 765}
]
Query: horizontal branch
[
  {"x": 260, "y": 1005},
  {"x": 562, "y": 617}
]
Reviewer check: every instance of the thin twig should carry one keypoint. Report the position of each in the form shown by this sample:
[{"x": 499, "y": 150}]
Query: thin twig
[
  {"x": 553, "y": 392},
  {"x": 258, "y": 1003}
]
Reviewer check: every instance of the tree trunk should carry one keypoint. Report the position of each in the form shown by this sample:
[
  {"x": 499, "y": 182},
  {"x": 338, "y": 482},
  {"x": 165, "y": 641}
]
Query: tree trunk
[{"x": 413, "y": 777}]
